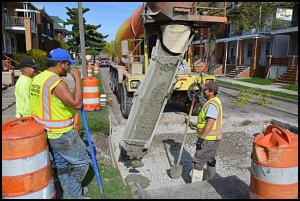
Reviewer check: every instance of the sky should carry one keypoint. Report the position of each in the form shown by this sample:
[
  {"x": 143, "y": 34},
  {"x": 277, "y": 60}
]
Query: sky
[{"x": 110, "y": 15}]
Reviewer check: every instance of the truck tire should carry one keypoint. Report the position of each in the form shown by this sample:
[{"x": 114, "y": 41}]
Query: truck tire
[{"x": 126, "y": 101}]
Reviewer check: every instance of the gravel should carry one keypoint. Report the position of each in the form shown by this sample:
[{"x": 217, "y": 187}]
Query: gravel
[{"x": 233, "y": 157}]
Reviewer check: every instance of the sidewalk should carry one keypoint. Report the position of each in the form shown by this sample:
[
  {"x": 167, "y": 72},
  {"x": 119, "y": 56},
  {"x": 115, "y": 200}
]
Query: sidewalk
[{"x": 271, "y": 87}]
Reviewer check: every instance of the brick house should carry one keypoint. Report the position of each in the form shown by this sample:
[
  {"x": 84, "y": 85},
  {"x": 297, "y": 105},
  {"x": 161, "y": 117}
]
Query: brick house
[
  {"x": 60, "y": 32},
  {"x": 254, "y": 53},
  {"x": 25, "y": 27}
]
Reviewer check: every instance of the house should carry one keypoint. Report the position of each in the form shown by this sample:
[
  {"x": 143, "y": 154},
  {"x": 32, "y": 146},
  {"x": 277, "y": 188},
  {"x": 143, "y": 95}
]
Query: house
[
  {"x": 60, "y": 32},
  {"x": 25, "y": 27},
  {"x": 253, "y": 53}
]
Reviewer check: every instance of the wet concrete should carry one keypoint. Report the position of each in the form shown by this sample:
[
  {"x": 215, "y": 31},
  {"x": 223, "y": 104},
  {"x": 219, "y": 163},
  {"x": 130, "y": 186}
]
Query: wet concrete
[{"x": 148, "y": 103}]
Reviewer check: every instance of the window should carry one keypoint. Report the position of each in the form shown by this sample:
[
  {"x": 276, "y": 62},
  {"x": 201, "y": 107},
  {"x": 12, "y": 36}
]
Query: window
[
  {"x": 249, "y": 50},
  {"x": 3, "y": 43},
  {"x": 8, "y": 44},
  {"x": 268, "y": 48}
]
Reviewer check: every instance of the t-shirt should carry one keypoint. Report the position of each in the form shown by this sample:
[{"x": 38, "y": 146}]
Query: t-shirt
[
  {"x": 212, "y": 111},
  {"x": 22, "y": 88}
]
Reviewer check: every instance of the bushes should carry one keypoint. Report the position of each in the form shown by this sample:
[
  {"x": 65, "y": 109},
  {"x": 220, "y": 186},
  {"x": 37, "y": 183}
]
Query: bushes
[
  {"x": 42, "y": 60},
  {"x": 61, "y": 44},
  {"x": 37, "y": 53}
]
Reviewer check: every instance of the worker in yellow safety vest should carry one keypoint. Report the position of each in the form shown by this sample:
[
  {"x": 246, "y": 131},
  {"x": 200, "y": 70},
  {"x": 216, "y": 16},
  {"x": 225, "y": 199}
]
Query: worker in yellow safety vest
[
  {"x": 52, "y": 105},
  {"x": 209, "y": 133},
  {"x": 22, "y": 87}
]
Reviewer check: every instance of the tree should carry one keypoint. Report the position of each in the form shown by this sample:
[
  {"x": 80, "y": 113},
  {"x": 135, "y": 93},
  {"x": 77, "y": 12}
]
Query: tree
[
  {"x": 94, "y": 40},
  {"x": 109, "y": 49},
  {"x": 60, "y": 44},
  {"x": 246, "y": 16}
]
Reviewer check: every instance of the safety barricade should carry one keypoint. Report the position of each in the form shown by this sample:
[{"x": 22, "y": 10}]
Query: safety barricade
[
  {"x": 274, "y": 165},
  {"x": 96, "y": 68},
  {"x": 26, "y": 167},
  {"x": 91, "y": 96},
  {"x": 89, "y": 70}
]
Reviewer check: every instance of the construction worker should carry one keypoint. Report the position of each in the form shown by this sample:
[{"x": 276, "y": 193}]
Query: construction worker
[
  {"x": 22, "y": 87},
  {"x": 208, "y": 133},
  {"x": 52, "y": 105}
]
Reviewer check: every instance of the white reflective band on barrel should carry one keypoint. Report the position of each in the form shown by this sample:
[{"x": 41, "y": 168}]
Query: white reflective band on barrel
[
  {"x": 45, "y": 193},
  {"x": 52, "y": 124},
  {"x": 275, "y": 175},
  {"x": 46, "y": 97},
  {"x": 90, "y": 89},
  {"x": 25, "y": 165},
  {"x": 91, "y": 100}
]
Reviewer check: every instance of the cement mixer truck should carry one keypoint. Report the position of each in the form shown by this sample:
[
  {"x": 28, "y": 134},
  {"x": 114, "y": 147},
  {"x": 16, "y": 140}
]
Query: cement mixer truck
[
  {"x": 155, "y": 49},
  {"x": 137, "y": 36}
]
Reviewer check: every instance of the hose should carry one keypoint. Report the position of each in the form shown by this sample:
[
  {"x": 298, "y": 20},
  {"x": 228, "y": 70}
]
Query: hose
[
  {"x": 92, "y": 152},
  {"x": 192, "y": 92}
]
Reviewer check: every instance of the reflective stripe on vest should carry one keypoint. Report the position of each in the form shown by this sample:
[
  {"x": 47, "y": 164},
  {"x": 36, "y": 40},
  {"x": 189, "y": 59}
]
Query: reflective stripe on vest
[
  {"x": 46, "y": 108},
  {"x": 216, "y": 132}
]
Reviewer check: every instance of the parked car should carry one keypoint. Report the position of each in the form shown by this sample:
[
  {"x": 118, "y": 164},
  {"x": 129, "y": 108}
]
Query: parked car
[{"x": 104, "y": 62}]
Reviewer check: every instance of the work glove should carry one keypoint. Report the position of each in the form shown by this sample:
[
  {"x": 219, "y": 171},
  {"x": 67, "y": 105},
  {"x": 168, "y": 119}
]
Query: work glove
[{"x": 199, "y": 143}]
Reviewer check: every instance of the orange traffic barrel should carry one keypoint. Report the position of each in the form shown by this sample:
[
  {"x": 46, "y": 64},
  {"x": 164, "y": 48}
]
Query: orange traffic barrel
[
  {"x": 96, "y": 68},
  {"x": 26, "y": 168},
  {"x": 274, "y": 165},
  {"x": 89, "y": 70},
  {"x": 91, "y": 95}
]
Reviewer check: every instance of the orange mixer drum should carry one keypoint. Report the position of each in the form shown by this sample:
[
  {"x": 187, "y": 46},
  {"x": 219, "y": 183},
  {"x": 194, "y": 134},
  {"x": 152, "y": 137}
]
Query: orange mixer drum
[{"x": 26, "y": 167}]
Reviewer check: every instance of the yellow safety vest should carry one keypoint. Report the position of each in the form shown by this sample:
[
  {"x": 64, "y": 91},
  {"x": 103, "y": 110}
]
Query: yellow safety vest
[
  {"x": 47, "y": 109},
  {"x": 216, "y": 131}
]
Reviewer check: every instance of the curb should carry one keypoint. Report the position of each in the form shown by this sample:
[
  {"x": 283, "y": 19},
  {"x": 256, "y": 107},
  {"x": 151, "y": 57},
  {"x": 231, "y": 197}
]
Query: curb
[{"x": 256, "y": 93}]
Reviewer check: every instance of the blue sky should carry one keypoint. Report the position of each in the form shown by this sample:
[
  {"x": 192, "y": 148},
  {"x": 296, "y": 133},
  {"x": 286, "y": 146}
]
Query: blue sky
[{"x": 110, "y": 15}]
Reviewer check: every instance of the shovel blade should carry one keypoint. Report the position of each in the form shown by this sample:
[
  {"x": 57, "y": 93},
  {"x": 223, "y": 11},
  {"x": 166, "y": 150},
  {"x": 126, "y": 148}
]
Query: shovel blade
[{"x": 175, "y": 171}]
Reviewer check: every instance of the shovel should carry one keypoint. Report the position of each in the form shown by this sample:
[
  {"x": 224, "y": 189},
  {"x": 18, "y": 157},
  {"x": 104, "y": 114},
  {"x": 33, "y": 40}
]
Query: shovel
[{"x": 176, "y": 170}]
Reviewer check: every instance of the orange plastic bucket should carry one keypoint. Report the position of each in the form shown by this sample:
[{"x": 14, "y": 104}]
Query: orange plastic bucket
[
  {"x": 91, "y": 95},
  {"x": 26, "y": 169},
  {"x": 274, "y": 165}
]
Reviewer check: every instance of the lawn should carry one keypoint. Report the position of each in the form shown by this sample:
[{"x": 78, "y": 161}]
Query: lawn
[
  {"x": 272, "y": 93},
  {"x": 293, "y": 87}
]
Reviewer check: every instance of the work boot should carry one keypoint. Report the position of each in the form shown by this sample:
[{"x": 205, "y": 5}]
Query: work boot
[
  {"x": 197, "y": 175},
  {"x": 211, "y": 172}
]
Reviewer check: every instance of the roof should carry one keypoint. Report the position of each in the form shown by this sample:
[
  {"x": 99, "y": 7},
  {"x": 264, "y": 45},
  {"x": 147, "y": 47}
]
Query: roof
[
  {"x": 236, "y": 38},
  {"x": 57, "y": 19},
  {"x": 285, "y": 31}
]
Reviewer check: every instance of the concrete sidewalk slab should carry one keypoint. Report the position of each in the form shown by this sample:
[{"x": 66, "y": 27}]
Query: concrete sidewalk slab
[
  {"x": 271, "y": 87},
  {"x": 231, "y": 187}
]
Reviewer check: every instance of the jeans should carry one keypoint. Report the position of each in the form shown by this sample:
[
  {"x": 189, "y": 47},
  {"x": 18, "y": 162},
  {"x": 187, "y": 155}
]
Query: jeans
[{"x": 70, "y": 155}]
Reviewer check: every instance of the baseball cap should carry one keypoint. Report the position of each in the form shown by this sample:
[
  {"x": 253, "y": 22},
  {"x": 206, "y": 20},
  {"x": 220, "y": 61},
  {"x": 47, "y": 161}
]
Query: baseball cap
[
  {"x": 28, "y": 62},
  {"x": 59, "y": 54},
  {"x": 212, "y": 85}
]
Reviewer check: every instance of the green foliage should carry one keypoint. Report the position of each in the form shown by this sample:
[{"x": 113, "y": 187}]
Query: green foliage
[
  {"x": 251, "y": 15},
  {"x": 293, "y": 87},
  {"x": 109, "y": 49},
  {"x": 61, "y": 44},
  {"x": 244, "y": 97},
  {"x": 37, "y": 53},
  {"x": 93, "y": 39},
  {"x": 42, "y": 60}
]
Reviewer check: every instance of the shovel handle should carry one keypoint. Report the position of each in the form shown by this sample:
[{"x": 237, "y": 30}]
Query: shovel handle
[{"x": 185, "y": 130}]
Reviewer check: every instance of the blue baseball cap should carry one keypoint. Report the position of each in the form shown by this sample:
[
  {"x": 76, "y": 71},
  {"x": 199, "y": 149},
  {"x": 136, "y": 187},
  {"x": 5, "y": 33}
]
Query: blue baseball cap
[{"x": 59, "y": 54}]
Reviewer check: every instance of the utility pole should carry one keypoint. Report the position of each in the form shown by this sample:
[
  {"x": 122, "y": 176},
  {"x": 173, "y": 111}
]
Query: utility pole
[{"x": 82, "y": 41}]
